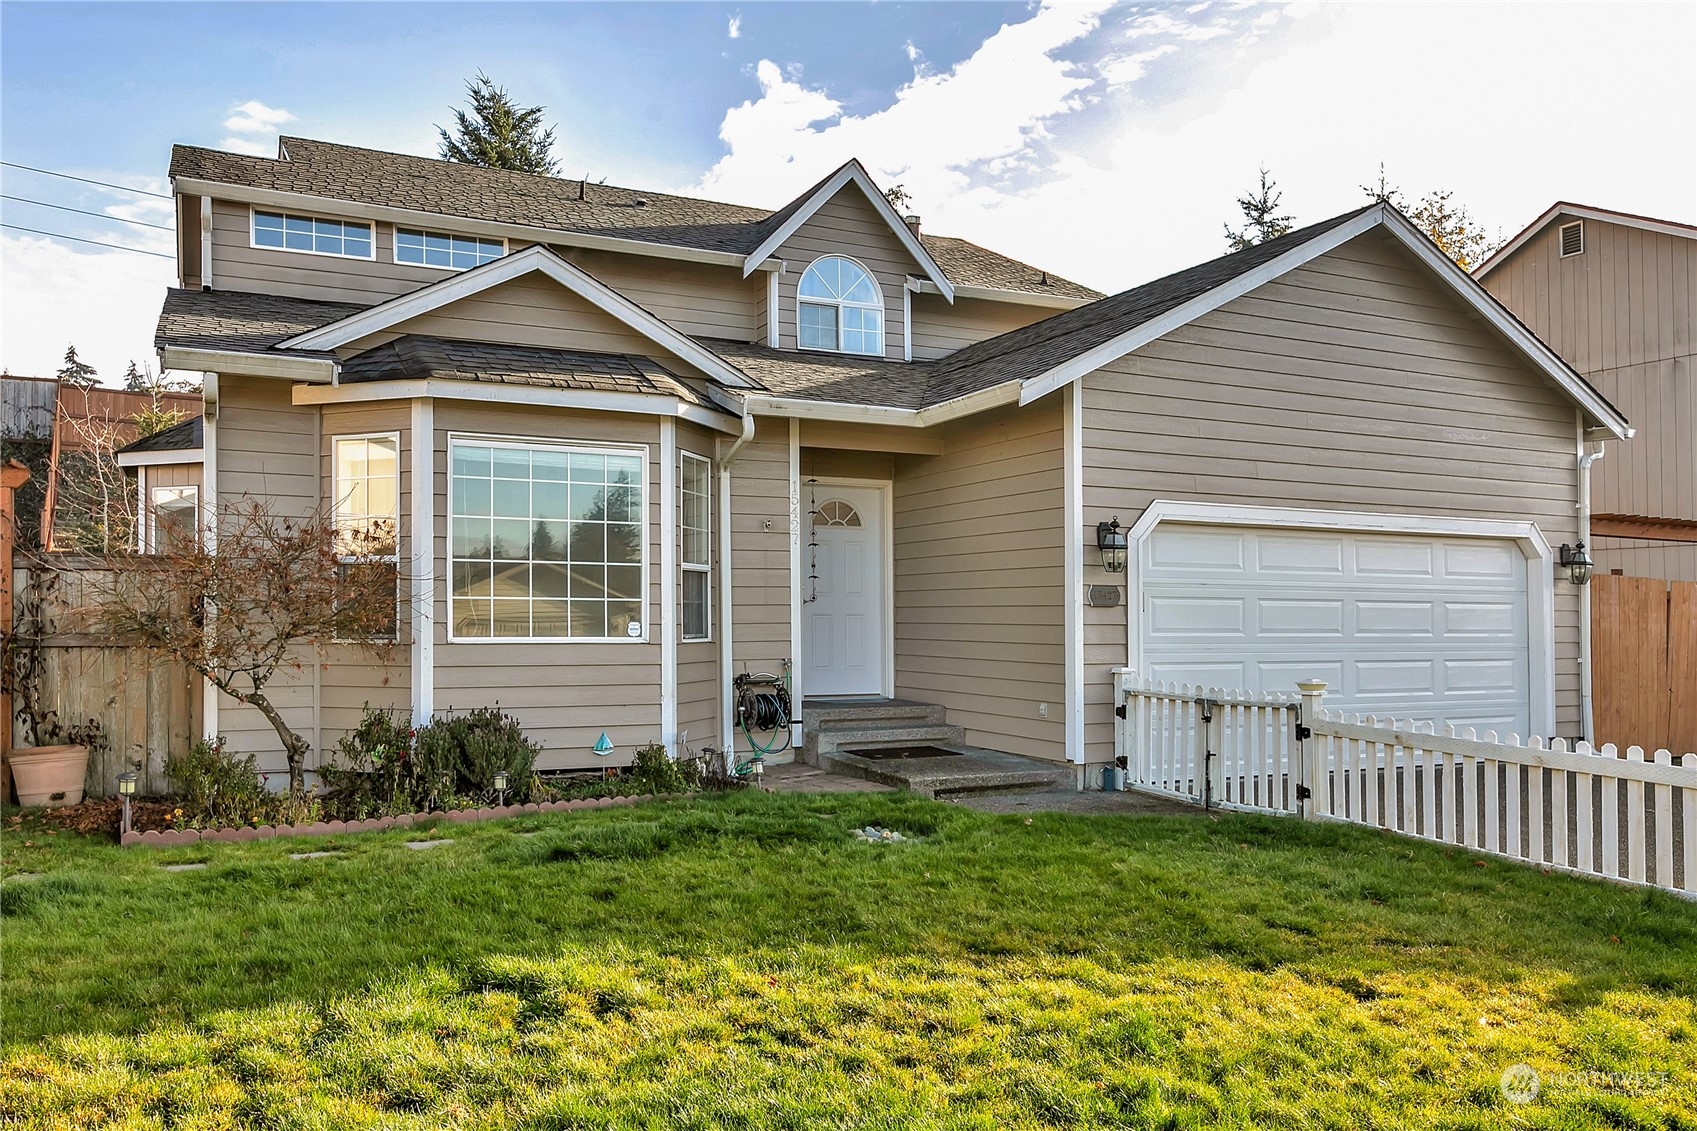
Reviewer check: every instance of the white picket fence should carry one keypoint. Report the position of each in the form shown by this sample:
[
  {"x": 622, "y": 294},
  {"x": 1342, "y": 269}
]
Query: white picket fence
[{"x": 1627, "y": 816}]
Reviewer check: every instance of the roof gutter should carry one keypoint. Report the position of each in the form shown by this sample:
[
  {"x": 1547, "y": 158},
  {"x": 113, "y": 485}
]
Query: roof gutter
[
  {"x": 312, "y": 370},
  {"x": 727, "y": 733},
  {"x": 997, "y": 294},
  {"x": 843, "y": 412}
]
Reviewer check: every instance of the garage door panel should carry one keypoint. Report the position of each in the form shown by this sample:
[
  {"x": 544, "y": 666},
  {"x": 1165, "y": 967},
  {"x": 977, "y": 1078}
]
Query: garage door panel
[
  {"x": 1428, "y": 629},
  {"x": 1189, "y": 616}
]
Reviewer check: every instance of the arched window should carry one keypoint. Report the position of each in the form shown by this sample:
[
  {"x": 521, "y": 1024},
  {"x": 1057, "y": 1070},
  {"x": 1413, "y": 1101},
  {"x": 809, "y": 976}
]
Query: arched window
[{"x": 839, "y": 307}]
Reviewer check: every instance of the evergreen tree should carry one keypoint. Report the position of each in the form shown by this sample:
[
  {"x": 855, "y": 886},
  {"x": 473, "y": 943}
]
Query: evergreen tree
[
  {"x": 77, "y": 372},
  {"x": 497, "y": 134},
  {"x": 1262, "y": 220}
]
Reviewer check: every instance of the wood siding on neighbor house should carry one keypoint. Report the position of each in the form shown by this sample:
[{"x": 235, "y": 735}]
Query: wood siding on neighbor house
[
  {"x": 848, "y": 225},
  {"x": 1623, "y": 312},
  {"x": 1356, "y": 382},
  {"x": 940, "y": 328},
  {"x": 565, "y": 694},
  {"x": 979, "y": 582}
]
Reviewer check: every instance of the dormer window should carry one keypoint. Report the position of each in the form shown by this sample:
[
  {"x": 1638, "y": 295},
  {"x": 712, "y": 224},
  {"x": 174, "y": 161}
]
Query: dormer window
[{"x": 839, "y": 307}]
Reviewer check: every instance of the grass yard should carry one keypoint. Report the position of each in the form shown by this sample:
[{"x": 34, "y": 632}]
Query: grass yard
[{"x": 743, "y": 962}]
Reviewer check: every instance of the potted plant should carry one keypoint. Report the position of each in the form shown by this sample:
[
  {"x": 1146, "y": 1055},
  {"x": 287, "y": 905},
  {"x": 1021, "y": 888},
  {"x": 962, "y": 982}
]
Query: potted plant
[{"x": 52, "y": 769}]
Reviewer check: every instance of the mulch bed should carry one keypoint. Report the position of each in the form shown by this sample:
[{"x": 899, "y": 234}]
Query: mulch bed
[{"x": 99, "y": 817}]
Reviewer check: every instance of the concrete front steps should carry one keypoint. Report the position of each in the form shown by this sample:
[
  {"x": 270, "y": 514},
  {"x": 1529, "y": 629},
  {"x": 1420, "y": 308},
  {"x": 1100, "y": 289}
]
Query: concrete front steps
[{"x": 836, "y": 733}]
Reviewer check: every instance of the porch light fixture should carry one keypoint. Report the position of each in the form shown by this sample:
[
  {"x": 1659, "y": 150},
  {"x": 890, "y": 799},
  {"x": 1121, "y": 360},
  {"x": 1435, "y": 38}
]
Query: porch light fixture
[
  {"x": 126, "y": 790},
  {"x": 1577, "y": 562},
  {"x": 1111, "y": 540},
  {"x": 501, "y": 786}
]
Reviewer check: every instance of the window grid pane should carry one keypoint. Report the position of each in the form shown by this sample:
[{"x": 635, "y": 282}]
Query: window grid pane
[
  {"x": 546, "y": 543},
  {"x": 308, "y": 233},
  {"x": 839, "y": 307},
  {"x": 695, "y": 522},
  {"x": 439, "y": 249}
]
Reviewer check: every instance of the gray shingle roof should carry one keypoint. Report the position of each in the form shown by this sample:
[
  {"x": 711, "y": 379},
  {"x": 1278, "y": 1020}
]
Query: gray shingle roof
[
  {"x": 839, "y": 378},
  {"x": 236, "y": 320},
  {"x": 446, "y": 188},
  {"x": 1035, "y": 349},
  {"x": 416, "y": 357},
  {"x": 187, "y": 436}
]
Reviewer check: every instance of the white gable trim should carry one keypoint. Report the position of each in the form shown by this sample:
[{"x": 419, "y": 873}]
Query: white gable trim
[
  {"x": 509, "y": 267},
  {"x": 164, "y": 458},
  {"x": 998, "y": 294},
  {"x": 850, "y": 173},
  {"x": 1581, "y": 212},
  {"x": 1392, "y": 221}
]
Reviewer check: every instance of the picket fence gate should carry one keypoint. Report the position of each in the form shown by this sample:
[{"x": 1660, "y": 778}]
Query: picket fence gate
[{"x": 1628, "y": 816}]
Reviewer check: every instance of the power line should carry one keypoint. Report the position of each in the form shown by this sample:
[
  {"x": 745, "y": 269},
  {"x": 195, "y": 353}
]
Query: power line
[
  {"x": 84, "y": 212},
  {"x": 79, "y": 239},
  {"x": 84, "y": 180}
]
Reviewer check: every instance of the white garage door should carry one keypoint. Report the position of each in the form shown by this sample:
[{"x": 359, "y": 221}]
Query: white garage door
[{"x": 1429, "y": 629}]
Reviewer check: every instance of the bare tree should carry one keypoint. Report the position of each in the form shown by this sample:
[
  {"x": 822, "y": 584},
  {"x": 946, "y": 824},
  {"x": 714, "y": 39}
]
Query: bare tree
[
  {"x": 272, "y": 593},
  {"x": 95, "y": 507},
  {"x": 1446, "y": 223}
]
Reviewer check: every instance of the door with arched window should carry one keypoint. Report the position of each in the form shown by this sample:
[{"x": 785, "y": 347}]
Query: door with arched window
[{"x": 843, "y": 614}]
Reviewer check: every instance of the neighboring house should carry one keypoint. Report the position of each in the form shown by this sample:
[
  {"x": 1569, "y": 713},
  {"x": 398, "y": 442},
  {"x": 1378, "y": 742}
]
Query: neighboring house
[
  {"x": 1616, "y": 295},
  {"x": 668, "y": 440},
  {"x": 167, "y": 470}
]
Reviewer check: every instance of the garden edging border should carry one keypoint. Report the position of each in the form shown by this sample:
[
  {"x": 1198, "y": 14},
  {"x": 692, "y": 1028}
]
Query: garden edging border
[{"x": 171, "y": 838}]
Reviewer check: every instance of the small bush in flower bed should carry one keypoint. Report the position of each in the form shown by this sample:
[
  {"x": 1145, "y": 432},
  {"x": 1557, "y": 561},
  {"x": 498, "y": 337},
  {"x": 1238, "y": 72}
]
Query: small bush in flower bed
[
  {"x": 385, "y": 766},
  {"x": 218, "y": 790}
]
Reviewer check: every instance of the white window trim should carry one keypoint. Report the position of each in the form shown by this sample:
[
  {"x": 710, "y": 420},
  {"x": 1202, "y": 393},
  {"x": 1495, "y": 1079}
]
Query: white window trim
[
  {"x": 686, "y": 566},
  {"x": 882, "y": 307},
  {"x": 252, "y": 211},
  {"x": 152, "y": 497},
  {"x": 588, "y": 447},
  {"x": 1540, "y": 569},
  {"x": 395, "y": 247},
  {"x": 395, "y": 557}
]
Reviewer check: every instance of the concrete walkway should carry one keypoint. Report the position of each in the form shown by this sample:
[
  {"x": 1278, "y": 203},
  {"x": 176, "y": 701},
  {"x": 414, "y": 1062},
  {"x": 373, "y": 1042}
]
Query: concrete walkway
[{"x": 799, "y": 777}]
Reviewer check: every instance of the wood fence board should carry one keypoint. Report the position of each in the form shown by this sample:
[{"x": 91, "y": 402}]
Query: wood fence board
[
  {"x": 1629, "y": 661},
  {"x": 1682, "y": 668}
]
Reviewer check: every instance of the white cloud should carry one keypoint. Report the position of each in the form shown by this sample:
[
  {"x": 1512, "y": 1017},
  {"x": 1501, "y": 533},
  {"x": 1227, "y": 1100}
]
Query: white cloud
[
  {"x": 249, "y": 146},
  {"x": 256, "y": 118},
  {"x": 735, "y": 29},
  {"x": 106, "y": 302}
]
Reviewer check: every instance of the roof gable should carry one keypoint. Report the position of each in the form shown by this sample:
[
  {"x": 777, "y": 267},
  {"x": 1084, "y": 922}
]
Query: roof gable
[
  {"x": 1048, "y": 355},
  {"x": 532, "y": 261},
  {"x": 787, "y": 220},
  {"x": 1563, "y": 209}
]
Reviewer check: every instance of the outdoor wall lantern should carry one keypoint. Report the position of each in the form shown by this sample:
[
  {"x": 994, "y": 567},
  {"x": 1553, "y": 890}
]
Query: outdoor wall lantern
[
  {"x": 1576, "y": 562},
  {"x": 126, "y": 790},
  {"x": 1111, "y": 540},
  {"x": 501, "y": 786}
]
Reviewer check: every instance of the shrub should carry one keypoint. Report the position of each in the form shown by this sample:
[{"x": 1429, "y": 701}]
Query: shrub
[
  {"x": 386, "y": 767},
  {"x": 654, "y": 771},
  {"x": 220, "y": 790}
]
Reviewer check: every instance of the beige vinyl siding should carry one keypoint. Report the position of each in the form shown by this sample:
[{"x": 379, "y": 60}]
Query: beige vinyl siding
[
  {"x": 239, "y": 266},
  {"x": 350, "y": 678},
  {"x": 940, "y": 328},
  {"x": 1623, "y": 312},
  {"x": 979, "y": 579},
  {"x": 697, "y": 298},
  {"x": 267, "y": 450},
  {"x": 847, "y": 224},
  {"x": 760, "y": 550},
  {"x": 698, "y": 660},
  {"x": 1639, "y": 557},
  {"x": 819, "y": 463},
  {"x": 1354, "y": 383},
  {"x": 565, "y": 694}
]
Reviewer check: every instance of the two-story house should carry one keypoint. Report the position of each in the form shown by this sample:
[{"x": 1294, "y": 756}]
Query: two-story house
[{"x": 635, "y": 444}]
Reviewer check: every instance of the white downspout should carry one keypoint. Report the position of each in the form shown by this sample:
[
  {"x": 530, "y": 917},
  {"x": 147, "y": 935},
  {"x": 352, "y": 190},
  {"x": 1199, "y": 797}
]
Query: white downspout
[
  {"x": 1586, "y": 459},
  {"x": 726, "y": 730}
]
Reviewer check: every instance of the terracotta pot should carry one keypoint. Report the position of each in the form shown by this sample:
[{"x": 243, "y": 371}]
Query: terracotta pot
[{"x": 49, "y": 775}]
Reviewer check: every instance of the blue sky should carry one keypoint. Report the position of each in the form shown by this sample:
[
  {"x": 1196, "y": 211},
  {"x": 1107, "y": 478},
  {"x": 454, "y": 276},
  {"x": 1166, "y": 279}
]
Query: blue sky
[{"x": 1105, "y": 142}]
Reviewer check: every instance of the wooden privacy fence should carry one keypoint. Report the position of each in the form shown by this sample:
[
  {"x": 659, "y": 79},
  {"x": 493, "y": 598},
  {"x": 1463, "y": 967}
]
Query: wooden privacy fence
[
  {"x": 1625, "y": 815},
  {"x": 1644, "y": 661},
  {"x": 148, "y": 708}
]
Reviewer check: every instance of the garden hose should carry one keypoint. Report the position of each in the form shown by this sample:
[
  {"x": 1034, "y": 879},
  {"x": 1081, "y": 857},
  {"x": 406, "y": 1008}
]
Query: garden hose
[{"x": 764, "y": 711}]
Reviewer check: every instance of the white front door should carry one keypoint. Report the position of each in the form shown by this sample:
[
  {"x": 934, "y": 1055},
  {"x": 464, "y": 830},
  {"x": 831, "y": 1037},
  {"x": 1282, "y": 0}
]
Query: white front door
[{"x": 843, "y": 607}]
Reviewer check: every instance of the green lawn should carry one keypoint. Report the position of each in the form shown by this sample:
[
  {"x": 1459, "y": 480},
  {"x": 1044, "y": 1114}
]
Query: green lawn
[{"x": 743, "y": 962}]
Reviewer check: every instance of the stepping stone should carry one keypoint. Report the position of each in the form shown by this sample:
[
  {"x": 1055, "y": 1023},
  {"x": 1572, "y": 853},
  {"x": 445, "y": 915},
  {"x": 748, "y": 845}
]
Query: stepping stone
[
  {"x": 182, "y": 867},
  {"x": 421, "y": 845},
  {"x": 311, "y": 855}
]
